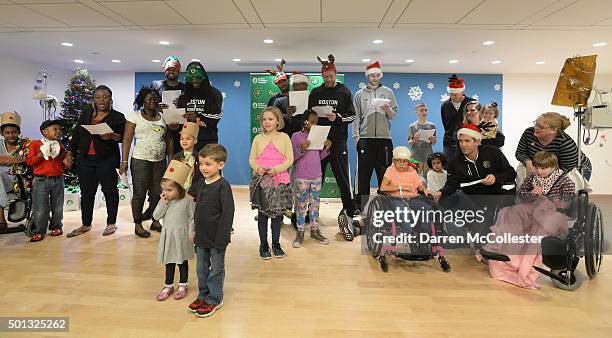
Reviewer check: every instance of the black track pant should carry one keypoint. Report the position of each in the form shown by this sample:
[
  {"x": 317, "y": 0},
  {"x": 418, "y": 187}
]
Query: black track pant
[
  {"x": 373, "y": 154},
  {"x": 338, "y": 159}
]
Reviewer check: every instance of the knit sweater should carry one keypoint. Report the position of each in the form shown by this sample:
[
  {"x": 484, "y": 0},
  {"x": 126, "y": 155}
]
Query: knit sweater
[{"x": 281, "y": 141}]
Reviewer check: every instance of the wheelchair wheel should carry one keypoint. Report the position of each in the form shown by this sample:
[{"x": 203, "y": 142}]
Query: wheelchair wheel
[
  {"x": 370, "y": 229},
  {"x": 384, "y": 266},
  {"x": 593, "y": 240},
  {"x": 575, "y": 280}
]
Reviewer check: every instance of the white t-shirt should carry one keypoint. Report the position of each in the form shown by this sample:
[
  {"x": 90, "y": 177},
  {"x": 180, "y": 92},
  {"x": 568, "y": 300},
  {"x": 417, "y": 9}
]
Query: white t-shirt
[
  {"x": 436, "y": 181},
  {"x": 149, "y": 135}
]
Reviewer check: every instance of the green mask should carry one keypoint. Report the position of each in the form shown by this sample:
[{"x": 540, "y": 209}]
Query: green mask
[{"x": 194, "y": 72}]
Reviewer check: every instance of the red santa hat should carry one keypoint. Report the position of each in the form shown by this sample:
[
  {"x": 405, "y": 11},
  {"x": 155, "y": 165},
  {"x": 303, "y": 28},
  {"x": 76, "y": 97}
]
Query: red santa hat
[
  {"x": 328, "y": 64},
  {"x": 455, "y": 84},
  {"x": 470, "y": 130},
  {"x": 278, "y": 75},
  {"x": 373, "y": 69}
]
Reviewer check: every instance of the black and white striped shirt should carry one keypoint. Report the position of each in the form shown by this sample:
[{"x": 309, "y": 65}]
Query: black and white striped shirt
[{"x": 562, "y": 146}]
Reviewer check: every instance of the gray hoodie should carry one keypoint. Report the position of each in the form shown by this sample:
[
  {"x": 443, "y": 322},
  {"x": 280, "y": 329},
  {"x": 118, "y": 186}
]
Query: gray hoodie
[{"x": 370, "y": 121}]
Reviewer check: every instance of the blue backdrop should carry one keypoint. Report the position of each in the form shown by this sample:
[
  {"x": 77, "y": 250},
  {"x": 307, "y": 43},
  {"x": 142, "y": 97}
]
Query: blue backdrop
[{"x": 234, "y": 128}]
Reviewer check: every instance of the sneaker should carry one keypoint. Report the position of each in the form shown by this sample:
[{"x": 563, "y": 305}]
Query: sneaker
[
  {"x": 181, "y": 292},
  {"x": 36, "y": 238},
  {"x": 299, "y": 239},
  {"x": 345, "y": 223},
  {"x": 316, "y": 235},
  {"x": 57, "y": 232},
  {"x": 196, "y": 304},
  {"x": 277, "y": 250},
  {"x": 264, "y": 251},
  {"x": 208, "y": 310},
  {"x": 165, "y": 292}
]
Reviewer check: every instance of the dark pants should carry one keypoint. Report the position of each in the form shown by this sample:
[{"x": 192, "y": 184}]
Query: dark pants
[
  {"x": 210, "y": 269},
  {"x": 338, "y": 159},
  {"x": 146, "y": 178},
  {"x": 89, "y": 178},
  {"x": 47, "y": 196},
  {"x": 262, "y": 225},
  {"x": 449, "y": 151},
  {"x": 183, "y": 272},
  {"x": 372, "y": 155},
  {"x": 485, "y": 205}
]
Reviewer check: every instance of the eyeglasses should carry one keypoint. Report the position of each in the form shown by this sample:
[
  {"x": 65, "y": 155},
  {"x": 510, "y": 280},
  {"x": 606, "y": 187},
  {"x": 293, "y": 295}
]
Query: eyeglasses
[{"x": 401, "y": 160}]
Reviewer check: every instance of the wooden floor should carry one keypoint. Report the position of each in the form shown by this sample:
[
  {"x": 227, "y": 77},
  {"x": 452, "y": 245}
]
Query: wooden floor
[{"x": 107, "y": 286}]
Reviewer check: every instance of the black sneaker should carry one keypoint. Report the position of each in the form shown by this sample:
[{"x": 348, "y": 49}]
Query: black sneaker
[
  {"x": 278, "y": 252},
  {"x": 264, "y": 251},
  {"x": 147, "y": 215},
  {"x": 345, "y": 223}
]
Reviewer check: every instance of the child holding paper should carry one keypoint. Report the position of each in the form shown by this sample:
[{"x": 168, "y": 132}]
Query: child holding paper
[
  {"x": 420, "y": 145},
  {"x": 308, "y": 175}
]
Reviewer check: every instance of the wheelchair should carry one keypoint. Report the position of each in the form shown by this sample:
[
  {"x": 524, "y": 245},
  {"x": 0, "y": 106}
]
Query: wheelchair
[
  {"x": 20, "y": 207},
  {"x": 368, "y": 226}
]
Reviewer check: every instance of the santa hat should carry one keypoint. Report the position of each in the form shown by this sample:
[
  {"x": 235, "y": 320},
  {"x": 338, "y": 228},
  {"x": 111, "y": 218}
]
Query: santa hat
[
  {"x": 178, "y": 172},
  {"x": 172, "y": 62},
  {"x": 470, "y": 130},
  {"x": 298, "y": 77},
  {"x": 455, "y": 84},
  {"x": 191, "y": 128},
  {"x": 328, "y": 64},
  {"x": 373, "y": 68},
  {"x": 278, "y": 75}
]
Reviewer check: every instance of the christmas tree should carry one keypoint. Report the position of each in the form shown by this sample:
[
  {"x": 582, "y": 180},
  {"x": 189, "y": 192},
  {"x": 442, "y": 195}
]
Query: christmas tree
[{"x": 78, "y": 99}]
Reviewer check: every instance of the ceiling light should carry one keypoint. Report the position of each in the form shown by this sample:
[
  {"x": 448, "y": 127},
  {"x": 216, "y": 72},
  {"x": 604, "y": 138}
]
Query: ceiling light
[
  {"x": 236, "y": 60},
  {"x": 488, "y": 43},
  {"x": 496, "y": 62},
  {"x": 165, "y": 43},
  {"x": 410, "y": 60},
  {"x": 365, "y": 60},
  {"x": 453, "y": 61},
  {"x": 278, "y": 60},
  {"x": 600, "y": 44},
  {"x": 116, "y": 61},
  {"x": 156, "y": 61},
  {"x": 67, "y": 44},
  {"x": 79, "y": 61},
  {"x": 268, "y": 41},
  {"x": 377, "y": 42},
  {"x": 540, "y": 62},
  {"x": 195, "y": 60}
]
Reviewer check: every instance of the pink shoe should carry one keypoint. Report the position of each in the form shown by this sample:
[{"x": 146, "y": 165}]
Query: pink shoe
[
  {"x": 181, "y": 292},
  {"x": 165, "y": 292}
]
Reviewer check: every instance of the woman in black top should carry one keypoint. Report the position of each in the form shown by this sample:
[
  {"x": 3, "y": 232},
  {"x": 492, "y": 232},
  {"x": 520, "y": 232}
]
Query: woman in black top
[{"x": 98, "y": 158}]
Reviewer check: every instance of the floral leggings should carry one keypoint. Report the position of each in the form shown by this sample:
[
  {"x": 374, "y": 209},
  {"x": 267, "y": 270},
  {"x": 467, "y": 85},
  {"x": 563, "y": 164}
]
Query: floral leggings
[{"x": 308, "y": 191}]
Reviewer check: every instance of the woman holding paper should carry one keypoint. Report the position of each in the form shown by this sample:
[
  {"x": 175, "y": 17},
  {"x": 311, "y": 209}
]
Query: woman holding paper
[
  {"x": 148, "y": 162},
  {"x": 98, "y": 157}
]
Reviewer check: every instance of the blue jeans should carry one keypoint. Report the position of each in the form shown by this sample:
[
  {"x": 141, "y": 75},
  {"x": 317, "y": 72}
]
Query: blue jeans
[
  {"x": 47, "y": 196},
  {"x": 210, "y": 269}
]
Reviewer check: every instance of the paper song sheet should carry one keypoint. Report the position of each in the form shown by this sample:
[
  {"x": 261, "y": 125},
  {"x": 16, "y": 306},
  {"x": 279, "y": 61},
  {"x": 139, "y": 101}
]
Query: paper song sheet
[
  {"x": 322, "y": 110},
  {"x": 168, "y": 96},
  {"x": 317, "y": 136},
  {"x": 299, "y": 99},
  {"x": 97, "y": 129},
  {"x": 174, "y": 116}
]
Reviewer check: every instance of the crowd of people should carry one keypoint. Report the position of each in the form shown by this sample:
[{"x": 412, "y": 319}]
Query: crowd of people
[{"x": 170, "y": 162}]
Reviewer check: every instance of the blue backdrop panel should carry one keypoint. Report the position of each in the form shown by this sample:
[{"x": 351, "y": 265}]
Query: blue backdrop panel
[{"x": 410, "y": 89}]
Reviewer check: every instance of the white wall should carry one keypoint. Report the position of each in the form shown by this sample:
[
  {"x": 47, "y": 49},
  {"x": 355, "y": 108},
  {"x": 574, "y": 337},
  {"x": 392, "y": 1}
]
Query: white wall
[
  {"x": 18, "y": 77},
  {"x": 526, "y": 96}
]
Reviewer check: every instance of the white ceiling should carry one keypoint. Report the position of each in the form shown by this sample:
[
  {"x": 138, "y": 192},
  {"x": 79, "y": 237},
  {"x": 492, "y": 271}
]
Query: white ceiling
[{"x": 215, "y": 31}]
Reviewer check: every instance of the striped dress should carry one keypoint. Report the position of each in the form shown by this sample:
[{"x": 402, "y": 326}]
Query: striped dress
[{"x": 562, "y": 146}]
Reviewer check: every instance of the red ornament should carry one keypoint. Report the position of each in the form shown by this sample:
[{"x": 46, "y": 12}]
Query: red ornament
[{"x": 171, "y": 170}]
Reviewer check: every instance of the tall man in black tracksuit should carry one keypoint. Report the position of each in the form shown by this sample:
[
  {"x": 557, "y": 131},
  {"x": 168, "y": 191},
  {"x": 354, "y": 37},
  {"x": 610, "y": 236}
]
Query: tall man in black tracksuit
[
  {"x": 476, "y": 162},
  {"x": 452, "y": 111},
  {"x": 338, "y": 96}
]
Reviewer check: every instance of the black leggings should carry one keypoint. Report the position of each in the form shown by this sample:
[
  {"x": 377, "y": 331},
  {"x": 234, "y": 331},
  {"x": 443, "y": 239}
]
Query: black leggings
[{"x": 183, "y": 271}]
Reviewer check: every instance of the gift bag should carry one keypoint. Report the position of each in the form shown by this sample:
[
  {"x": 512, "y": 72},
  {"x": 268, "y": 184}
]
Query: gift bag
[{"x": 72, "y": 199}]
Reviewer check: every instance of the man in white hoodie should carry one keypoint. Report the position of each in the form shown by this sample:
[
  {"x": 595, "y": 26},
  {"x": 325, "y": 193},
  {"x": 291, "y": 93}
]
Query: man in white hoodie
[{"x": 375, "y": 107}]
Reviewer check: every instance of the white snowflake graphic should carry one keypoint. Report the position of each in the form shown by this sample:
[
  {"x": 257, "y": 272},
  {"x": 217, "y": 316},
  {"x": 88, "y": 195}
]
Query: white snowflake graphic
[
  {"x": 430, "y": 86},
  {"x": 497, "y": 87},
  {"x": 361, "y": 84},
  {"x": 223, "y": 94},
  {"x": 444, "y": 97},
  {"x": 415, "y": 93},
  {"x": 475, "y": 97},
  {"x": 396, "y": 85},
  {"x": 236, "y": 84}
]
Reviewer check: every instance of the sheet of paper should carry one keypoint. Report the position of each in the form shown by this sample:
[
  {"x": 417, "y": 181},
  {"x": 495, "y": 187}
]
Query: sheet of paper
[
  {"x": 425, "y": 134},
  {"x": 317, "y": 136},
  {"x": 168, "y": 97},
  {"x": 174, "y": 115},
  {"x": 299, "y": 99},
  {"x": 380, "y": 102},
  {"x": 322, "y": 110},
  {"x": 97, "y": 129},
  {"x": 467, "y": 184}
]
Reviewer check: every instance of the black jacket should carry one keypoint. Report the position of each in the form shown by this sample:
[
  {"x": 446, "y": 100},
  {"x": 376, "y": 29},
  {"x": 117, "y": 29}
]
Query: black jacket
[
  {"x": 452, "y": 119},
  {"x": 339, "y": 97},
  {"x": 107, "y": 152},
  {"x": 490, "y": 161},
  {"x": 214, "y": 213}
]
